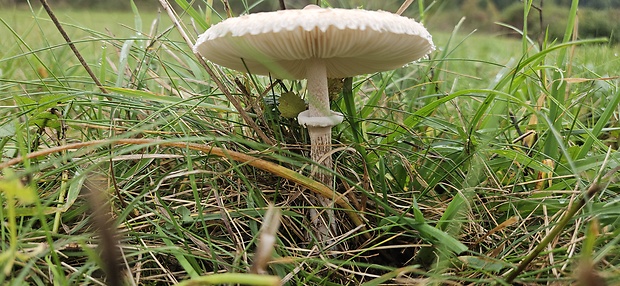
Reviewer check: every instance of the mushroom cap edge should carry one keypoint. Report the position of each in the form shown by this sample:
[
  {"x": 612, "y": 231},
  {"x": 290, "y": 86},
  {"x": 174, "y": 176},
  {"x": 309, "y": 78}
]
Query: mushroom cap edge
[{"x": 350, "y": 42}]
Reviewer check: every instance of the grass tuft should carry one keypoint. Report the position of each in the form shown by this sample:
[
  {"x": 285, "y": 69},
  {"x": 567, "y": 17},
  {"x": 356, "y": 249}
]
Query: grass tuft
[{"x": 494, "y": 160}]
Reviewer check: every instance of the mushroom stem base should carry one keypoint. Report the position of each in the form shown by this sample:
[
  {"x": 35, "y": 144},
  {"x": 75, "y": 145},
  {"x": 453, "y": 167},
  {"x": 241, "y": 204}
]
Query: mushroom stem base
[{"x": 320, "y": 151}]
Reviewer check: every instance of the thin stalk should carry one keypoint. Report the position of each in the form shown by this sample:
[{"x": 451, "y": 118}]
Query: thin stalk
[
  {"x": 318, "y": 106},
  {"x": 65, "y": 173},
  {"x": 320, "y": 142},
  {"x": 61, "y": 199}
]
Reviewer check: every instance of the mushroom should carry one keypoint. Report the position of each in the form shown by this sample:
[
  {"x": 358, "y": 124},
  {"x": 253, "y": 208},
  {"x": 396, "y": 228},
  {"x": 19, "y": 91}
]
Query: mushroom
[{"x": 316, "y": 44}]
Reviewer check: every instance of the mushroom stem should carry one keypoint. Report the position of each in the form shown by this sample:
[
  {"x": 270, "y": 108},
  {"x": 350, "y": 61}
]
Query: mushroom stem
[
  {"x": 320, "y": 142},
  {"x": 318, "y": 99},
  {"x": 318, "y": 107}
]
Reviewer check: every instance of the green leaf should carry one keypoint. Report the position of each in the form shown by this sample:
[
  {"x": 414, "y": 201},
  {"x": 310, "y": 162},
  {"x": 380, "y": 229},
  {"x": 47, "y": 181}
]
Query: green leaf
[
  {"x": 39, "y": 113},
  {"x": 123, "y": 61},
  {"x": 390, "y": 275},
  {"x": 74, "y": 191},
  {"x": 7, "y": 129},
  {"x": 188, "y": 9},
  {"x": 12, "y": 186},
  {"x": 483, "y": 263},
  {"x": 522, "y": 159},
  {"x": 48, "y": 101},
  {"x": 592, "y": 233},
  {"x": 185, "y": 213},
  {"x": 428, "y": 232},
  {"x": 440, "y": 237},
  {"x": 46, "y": 119},
  {"x": 291, "y": 105},
  {"x": 233, "y": 278},
  {"x": 137, "y": 19},
  {"x": 24, "y": 102},
  {"x": 453, "y": 209}
]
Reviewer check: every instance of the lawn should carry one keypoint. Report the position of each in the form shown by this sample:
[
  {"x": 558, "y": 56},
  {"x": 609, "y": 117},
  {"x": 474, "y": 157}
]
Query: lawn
[{"x": 493, "y": 160}]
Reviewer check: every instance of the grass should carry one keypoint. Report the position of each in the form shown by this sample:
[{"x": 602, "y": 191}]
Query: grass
[{"x": 448, "y": 163}]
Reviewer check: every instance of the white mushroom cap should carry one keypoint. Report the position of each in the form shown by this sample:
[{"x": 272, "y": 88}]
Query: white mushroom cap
[{"x": 350, "y": 42}]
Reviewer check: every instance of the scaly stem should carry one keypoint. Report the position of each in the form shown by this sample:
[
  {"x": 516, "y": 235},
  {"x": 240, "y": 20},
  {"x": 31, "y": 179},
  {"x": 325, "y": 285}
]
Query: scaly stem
[
  {"x": 320, "y": 140},
  {"x": 318, "y": 106}
]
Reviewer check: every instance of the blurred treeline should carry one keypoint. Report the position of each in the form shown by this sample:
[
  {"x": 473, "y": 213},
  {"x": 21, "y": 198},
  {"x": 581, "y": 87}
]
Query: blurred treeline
[
  {"x": 264, "y": 5},
  {"x": 267, "y": 5},
  {"x": 594, "y": 4},
  {"x": 597, "y": 18}
]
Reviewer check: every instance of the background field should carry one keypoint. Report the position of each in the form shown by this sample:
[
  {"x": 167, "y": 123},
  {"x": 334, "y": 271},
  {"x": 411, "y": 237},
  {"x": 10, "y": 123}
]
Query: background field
[{"x": 460, "y": 165}]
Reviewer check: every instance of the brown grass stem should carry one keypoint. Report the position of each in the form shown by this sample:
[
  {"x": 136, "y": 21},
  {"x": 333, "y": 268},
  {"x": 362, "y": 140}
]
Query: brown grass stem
[{"x": 283, "y": 172}]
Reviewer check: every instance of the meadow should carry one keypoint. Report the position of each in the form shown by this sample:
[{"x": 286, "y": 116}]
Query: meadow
[{"x": 492, "y": 161}]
